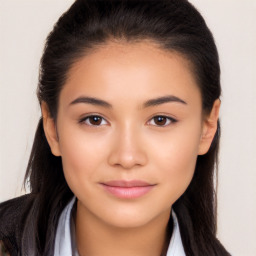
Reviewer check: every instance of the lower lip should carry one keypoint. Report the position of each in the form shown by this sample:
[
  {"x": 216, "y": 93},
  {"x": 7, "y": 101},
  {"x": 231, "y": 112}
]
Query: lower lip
[{"x": 127, "y": 192}]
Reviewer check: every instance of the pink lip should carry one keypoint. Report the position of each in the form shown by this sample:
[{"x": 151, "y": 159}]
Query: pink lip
[{"x": 127, "y": 189}]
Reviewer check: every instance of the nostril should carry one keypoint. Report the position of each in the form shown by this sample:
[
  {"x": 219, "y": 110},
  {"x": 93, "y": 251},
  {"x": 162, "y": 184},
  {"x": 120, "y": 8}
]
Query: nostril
[{"x": 127, "y": 159}]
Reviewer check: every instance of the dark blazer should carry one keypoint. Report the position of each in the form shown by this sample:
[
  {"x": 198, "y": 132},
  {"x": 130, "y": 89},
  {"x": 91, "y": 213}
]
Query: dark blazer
[{"x": 17, "y": 225}]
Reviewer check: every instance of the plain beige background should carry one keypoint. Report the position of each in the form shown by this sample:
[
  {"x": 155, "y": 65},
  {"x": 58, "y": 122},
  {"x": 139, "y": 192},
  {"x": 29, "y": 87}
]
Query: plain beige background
[{"x": 24, "y": 25}]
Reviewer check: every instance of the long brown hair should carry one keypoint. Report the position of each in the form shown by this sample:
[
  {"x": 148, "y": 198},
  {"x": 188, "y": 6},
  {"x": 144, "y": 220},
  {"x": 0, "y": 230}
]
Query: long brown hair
[{"x": 175, "y": 25}]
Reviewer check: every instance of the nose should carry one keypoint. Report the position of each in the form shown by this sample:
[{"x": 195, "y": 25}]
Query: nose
[{"x": 127, "y": 150}]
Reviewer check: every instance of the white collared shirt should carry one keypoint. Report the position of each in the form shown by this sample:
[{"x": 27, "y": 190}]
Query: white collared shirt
[{"x": 65, "y": 236}]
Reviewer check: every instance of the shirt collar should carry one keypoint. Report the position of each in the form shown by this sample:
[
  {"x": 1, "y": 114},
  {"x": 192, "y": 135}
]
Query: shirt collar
[{"x": 65, "y": 244}]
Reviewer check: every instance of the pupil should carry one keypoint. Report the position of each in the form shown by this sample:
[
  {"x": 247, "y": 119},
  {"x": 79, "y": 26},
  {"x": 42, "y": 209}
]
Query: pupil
[
  {"x": 160, "y": 120},
  {"x": 95, "y": 120}
]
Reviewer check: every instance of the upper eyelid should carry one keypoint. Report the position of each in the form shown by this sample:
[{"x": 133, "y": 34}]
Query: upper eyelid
[
  {"x": 83, "y": 117},
  {"x": 164, "y": 115},
  {"x": 101, "y": 115},
  {"x": 171, "y": 119},
  {"x": 81, "y": 120}
]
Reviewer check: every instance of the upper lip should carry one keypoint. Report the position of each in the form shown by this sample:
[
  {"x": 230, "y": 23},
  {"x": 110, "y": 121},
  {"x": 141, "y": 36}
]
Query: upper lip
[{"x": 126, "y": 184}]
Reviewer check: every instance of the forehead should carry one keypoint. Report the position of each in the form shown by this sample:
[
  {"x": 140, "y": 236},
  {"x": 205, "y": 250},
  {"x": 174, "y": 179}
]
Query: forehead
[{"x": 131, "y": 71}]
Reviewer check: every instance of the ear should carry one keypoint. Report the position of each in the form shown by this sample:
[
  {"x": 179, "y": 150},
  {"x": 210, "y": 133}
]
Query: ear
[
  {"x": 209, "y": 128},
  {"x": 50, "y": 130}
]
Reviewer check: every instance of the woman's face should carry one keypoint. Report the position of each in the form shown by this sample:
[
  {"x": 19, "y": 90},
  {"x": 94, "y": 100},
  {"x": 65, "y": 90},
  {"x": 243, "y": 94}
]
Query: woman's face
[{"x": 129, "y": 131}]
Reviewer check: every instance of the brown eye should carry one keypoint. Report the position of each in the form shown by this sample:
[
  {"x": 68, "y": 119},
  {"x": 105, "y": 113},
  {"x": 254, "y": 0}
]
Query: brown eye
[
  {"x": 161, "y": 121},
  {"x": 94, "y": 121}
]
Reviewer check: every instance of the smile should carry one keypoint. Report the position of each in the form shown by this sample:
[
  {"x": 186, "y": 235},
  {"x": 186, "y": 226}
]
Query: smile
[{"x": 127, "y": 189}]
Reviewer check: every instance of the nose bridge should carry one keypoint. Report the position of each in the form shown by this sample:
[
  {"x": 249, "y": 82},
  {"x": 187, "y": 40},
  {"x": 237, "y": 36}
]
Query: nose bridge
[{"x": 128, "y": 149}]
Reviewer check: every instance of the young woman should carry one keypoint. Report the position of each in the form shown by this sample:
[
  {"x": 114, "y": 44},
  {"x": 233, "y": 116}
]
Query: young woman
[{"x": 124, "y": 156}]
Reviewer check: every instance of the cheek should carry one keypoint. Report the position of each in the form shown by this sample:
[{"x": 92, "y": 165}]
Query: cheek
[
  {"x": 82, "y": 154},
  {"x": 178, "y": 173},
  {"x": 176, "y": 160}
]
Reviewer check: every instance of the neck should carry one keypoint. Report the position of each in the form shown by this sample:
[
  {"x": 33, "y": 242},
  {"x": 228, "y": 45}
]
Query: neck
[{"x": 94, "y": 237}]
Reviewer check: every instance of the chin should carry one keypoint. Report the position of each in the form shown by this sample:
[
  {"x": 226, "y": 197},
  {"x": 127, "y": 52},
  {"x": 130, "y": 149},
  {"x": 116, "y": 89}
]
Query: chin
[
  {"x": 127, "y": 217},
  {"x": 127, "y": 222}
]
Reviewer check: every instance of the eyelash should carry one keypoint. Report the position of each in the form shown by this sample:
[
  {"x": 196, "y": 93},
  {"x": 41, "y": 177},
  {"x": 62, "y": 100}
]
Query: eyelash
[{"x": 169, "y": 119}]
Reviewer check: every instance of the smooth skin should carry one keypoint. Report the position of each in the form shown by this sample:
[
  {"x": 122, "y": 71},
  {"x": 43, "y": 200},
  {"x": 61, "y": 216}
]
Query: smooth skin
[{"x": 128, "y": 137}]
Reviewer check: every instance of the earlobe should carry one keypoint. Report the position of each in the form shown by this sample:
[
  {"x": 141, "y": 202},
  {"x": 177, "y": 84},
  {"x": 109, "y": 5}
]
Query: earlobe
[
  {"x": 50, "y": 130},
  {"x": 209, "y": 129}
]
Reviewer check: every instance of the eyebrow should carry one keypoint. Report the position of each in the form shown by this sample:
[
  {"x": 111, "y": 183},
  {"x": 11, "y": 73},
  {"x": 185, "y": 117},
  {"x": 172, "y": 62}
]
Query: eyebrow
[
  {"x": 148, "y": 103},
  {"x": 162, "y": 100},
  {"x": 91, "y": 100}
]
